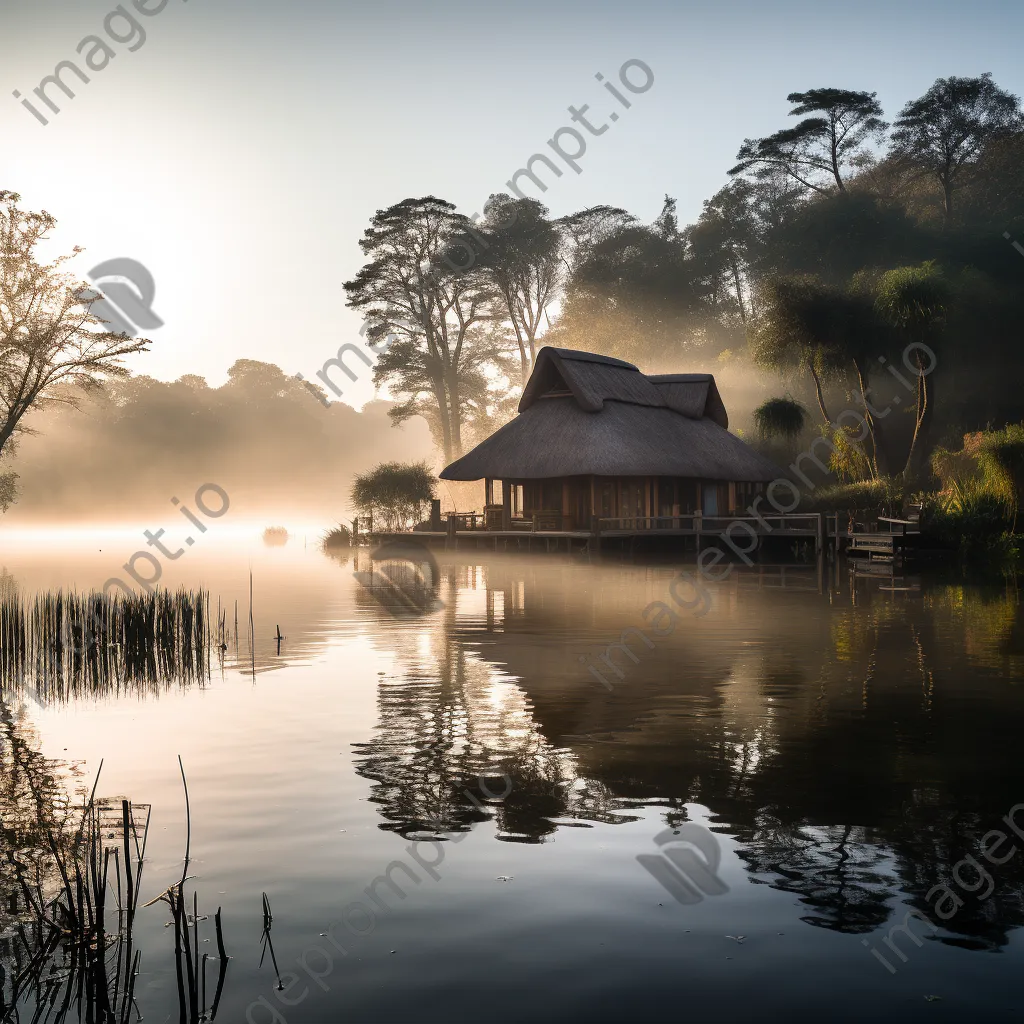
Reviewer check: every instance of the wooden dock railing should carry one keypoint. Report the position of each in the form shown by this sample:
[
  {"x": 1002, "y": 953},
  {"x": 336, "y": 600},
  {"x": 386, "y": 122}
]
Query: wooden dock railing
[{"x": 804, "y": 523}]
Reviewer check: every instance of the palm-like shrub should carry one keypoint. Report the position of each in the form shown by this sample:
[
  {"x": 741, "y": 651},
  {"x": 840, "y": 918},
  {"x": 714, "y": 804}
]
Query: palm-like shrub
[{"x": 780, "y": 417}]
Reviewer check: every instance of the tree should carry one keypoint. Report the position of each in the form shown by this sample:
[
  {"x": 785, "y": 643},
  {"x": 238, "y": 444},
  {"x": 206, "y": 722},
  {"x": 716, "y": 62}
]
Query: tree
[
  {"x": 586, "y": 229},
  {"x": 801, "y": 327},
  {"x": 426, "y": 295},
  {"x": 720, "y": 243},
  {"x": 915, "y": 302},
  {"x": 816, "y": 150},
  {"x": 834, "y": 236},
  {"x": 8, "y": 490},
  {"x": 667, "y": 222},
  {"x": 50, "y": 348},
  {"x": 945, "y": 131},
  {"x": 631, "y": 290},
  {"x": 521, "y": 249},
  {"x": 399, "y": 493},
  {"x": 827, "y": 330}
]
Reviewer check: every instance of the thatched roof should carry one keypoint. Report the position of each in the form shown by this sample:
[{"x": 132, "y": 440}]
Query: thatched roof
[
  {"x": 692, "y": 394},
  {"x": 584, "y": 414},
  {"x": 591, "y": 379}
]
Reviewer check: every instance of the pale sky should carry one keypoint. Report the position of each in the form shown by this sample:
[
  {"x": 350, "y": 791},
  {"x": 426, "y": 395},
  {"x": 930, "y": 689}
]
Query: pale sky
[{"x": 241, "y": 150}]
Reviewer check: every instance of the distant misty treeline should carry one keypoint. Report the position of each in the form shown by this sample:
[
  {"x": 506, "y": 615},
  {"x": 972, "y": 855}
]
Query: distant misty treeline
[{"x": 262, "y": 436}]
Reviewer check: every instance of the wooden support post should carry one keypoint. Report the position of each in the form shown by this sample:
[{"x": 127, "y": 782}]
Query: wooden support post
[
  {"x": 506, "y": 504},
  {"x": 595, "y": 533},
  {"x": 820, "y": 536},
  {"x": 450, "y": 540}
]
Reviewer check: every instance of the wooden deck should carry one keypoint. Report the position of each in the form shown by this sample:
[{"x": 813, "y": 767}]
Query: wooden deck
[{"x": 889, "y": 538}]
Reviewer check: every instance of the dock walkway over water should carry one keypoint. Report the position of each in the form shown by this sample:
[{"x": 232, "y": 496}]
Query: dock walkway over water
[{"x": 889, "y": 538}]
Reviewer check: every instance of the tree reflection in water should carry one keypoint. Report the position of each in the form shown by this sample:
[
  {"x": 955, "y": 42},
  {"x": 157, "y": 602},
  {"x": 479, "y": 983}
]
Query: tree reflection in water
[{"x": 856, "y": 744}]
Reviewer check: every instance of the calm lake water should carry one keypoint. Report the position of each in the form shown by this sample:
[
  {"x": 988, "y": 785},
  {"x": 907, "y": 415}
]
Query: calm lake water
[{"x": 796, "y": 770}]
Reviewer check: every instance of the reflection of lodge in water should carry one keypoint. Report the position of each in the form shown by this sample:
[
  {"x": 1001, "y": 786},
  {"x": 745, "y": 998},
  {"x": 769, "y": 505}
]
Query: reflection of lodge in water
[{"x": 850, "y": 774}]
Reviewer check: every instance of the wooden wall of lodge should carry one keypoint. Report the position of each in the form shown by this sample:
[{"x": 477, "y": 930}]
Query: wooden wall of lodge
[{"x": 579, "y": 498}]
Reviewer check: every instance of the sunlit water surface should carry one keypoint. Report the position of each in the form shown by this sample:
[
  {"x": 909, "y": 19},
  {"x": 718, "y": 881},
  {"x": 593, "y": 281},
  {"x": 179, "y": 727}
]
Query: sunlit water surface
[{"x": 847, "y": 742}]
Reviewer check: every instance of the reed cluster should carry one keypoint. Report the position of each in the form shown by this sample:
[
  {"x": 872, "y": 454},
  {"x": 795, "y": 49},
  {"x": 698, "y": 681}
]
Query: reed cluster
[
  {"x": 70, "y": 952},
  {"x": 64, "y": 644}
]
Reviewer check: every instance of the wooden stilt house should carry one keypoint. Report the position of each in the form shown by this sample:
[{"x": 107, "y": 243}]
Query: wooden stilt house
[{"x": 595, "y": 437}]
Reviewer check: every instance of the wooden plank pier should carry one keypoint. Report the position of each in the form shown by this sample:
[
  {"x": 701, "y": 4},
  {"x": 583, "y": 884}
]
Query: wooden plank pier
[{"x": 472, "y": 531}]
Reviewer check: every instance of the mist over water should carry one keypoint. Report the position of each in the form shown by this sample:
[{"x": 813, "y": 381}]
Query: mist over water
[{"x": 263, "y": 437}]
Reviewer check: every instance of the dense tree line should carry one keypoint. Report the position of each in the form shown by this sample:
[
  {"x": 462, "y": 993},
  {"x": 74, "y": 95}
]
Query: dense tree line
[
  {"x": 837, "y": 242},
  {"x": 262, "y": 436}
]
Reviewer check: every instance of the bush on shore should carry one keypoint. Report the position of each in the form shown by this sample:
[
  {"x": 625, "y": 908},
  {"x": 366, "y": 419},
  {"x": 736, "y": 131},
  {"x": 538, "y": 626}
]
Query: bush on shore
[
  {"x": 338, "y": 537},
  {"x": 884, "y": 496}
]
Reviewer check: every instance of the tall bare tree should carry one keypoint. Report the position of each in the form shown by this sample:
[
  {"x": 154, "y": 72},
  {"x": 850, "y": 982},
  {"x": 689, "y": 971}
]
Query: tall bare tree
[
  {"x": 521, "y": 249},
  {"x": 52, "y": 347},
  {"x": 945, "y": 131},
  {"x": 815, "y": 151},
  {"x": 429, "y": 303}
]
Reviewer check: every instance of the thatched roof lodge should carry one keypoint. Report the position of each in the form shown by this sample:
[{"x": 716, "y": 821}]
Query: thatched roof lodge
[{"x": 596, "y": 437}]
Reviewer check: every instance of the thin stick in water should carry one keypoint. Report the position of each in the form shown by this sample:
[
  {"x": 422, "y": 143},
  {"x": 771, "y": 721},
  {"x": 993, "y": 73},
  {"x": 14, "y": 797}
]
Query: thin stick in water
[{"x": 188, "y": 820}]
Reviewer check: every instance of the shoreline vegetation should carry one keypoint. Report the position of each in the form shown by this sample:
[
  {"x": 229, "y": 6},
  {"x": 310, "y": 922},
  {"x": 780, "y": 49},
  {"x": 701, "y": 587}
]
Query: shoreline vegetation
[
  {"x": 973, "y": 513},
  {"x": 70, "y": 883}
]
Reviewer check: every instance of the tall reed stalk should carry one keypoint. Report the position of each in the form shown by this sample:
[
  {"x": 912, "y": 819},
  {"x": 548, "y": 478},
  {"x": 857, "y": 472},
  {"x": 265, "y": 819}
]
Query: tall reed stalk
[{"x": 72, "y": 955}]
